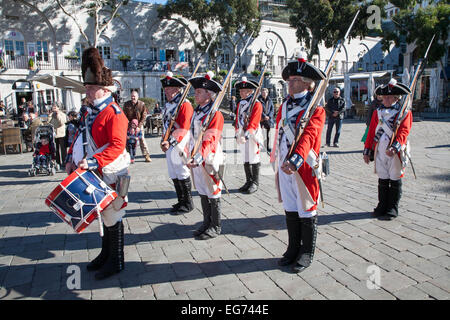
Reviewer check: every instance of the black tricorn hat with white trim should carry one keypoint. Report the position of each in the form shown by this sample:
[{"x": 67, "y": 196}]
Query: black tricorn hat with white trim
[
  {"x": 169, "y": 80},
  {"x": 246, "y": 84},
  {"x": 206, "y": 82},
  {"x": 393, "y": 88},
  {"x": 301, "y": 67}
]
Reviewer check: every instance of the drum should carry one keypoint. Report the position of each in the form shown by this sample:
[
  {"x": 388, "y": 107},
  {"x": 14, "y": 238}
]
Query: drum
[{"x": 80, "y": 198}]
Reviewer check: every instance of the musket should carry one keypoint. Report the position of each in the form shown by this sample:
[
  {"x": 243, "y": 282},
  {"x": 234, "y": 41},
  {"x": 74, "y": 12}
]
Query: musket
[
  {"x": 407, "y": 102},
  {"x": 258, "y": 89},
  {"x": 185, "y": 93},
  {"x": 318, "y": 94},
  {"x": 216, "y": 104}
]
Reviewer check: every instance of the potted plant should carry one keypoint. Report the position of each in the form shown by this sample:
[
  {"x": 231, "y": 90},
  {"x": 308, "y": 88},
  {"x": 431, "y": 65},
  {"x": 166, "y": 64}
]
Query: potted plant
[
  {"x": 31, "y": 64},
  {"x": 72, "y": 55},
  {"x": 256, "y": 73}
]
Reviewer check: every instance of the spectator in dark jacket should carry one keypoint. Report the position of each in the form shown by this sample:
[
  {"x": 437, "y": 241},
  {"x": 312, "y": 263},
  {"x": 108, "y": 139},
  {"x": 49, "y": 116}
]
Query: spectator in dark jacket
[
  {"x": 267, "y": 114},
  {"x": 335, "y": 109}
]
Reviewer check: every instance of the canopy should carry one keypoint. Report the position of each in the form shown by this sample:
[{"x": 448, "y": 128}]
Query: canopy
[
  {"x": 60, "y": 82},
  {"x": 361, "y": 75}
]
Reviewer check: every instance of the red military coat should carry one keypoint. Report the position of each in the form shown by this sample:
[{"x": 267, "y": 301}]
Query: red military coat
[
  {"x": 109, "y": 127},
  {"x": 254, "y": 118},
  {"x": 310, "y": 140},
  {"x": 183, "y": 121}
]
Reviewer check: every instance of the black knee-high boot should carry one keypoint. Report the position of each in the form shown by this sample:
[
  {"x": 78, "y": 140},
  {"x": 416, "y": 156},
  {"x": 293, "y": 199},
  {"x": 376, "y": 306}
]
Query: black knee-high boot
[
  {"x": 383, "y": 194},
  {"x": 98, "y": 262},
  {"x": 395, "y": 193},
  {"x": 179, "y": 191},
  {"x": 206, "y": 208},
  {"x": 308, "y": 233},
  {"x": 186, "y": 196},
  {"x": 116, "y": 259},
  {"x": 294, "y": 239},
  {"x": 215, "y": 225},
  {"x": 248, "y": 177},
  {"x": 255, "y": 178}
]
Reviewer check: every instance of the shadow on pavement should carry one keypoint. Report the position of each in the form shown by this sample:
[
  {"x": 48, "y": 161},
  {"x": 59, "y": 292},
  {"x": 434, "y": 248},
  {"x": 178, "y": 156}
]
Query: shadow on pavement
[
  {"x": 341, "y": 217},
  {"x": 49, "y": 282}
]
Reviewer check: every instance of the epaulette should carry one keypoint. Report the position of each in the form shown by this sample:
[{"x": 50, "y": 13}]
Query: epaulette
[{"x": 116, "y": 108}]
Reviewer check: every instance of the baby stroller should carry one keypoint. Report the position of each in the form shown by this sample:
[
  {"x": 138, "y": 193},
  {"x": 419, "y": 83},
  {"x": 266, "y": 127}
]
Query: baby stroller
[{"x": 49, "y": 167}]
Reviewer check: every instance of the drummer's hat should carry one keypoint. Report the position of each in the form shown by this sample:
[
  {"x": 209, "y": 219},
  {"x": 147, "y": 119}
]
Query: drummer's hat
[
  {"x": 94, "y": 71},
  {"x": 171, "y": 80},
  {"x": 301, "y": 67},
  {"x": 246, "y": 84},
  {"x": 206, "y": 82},
  {"x": 393, "y": 88}
]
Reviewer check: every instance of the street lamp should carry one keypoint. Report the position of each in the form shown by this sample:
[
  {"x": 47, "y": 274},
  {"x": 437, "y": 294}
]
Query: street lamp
[{"x": 260, "y": 57}]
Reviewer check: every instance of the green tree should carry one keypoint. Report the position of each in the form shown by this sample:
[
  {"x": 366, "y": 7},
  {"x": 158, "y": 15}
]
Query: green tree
[
  {"x": 236, "y": 18},
  {"x": 102, "y": 11},
  {"x": 324, "y": 21},
  {"x": 418, "y": 27}
]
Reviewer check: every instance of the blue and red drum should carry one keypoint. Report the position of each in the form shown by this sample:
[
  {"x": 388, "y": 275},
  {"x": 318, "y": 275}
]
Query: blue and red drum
[{"x": 80, "y": 198}]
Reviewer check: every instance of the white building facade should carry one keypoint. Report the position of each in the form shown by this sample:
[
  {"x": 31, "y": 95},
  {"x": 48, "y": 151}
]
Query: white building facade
[{"x": 40, "y": 32}]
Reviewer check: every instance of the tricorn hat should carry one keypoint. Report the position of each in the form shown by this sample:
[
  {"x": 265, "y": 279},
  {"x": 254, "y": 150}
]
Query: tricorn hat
[
  {"x": 169, "y": 80},
  {"x": 300, "y": 67},
  {"x": 94, "y": 71},
  {"x": 246, "y": 84},
  {"x": 206, "y": 82},
  {"x": 393, "y": 88}
]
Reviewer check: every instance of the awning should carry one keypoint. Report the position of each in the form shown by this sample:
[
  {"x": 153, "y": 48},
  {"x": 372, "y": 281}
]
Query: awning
[
  {"x": 361, "y": 75},
  {"x": 60, "y": 82}
]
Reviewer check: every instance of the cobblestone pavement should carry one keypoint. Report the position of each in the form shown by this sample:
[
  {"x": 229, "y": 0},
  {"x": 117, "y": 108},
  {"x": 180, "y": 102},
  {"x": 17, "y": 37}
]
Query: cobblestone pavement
[{"x": 163, "y": 261}]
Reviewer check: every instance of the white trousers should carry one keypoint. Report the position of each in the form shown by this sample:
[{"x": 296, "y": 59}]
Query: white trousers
[
  {"x": 289, "y": 189},
  {"x": 387, "y": 167},
  {"x": 204, "y": 184},
  {"x": 177, "y": 169},
  {"x": 111, "y": 215}
]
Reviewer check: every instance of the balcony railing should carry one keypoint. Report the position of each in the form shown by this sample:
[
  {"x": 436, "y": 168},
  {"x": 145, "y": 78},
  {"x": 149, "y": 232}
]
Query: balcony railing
[{"x": 62, "y": 63}]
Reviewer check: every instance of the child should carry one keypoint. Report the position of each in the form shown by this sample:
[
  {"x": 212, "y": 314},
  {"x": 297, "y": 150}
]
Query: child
[
  {"x": 71, "y": 127},
  {"x": 133, "y": 136},
  {"x": 43, "y": 150}
]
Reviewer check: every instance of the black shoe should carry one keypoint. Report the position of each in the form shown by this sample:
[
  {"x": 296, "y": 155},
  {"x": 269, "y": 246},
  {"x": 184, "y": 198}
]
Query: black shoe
[
  {"x": 336, "y": 145},
  {"x": 179, "y": 191},
  {"x": 383, "y": 194},
  {"x": 294, "y": 239},
  {"x": 308, "y": 233},
  {"x": 206, "y": 209},
  {"x": 387, "y": 217},
  {"x": 214, "y": 228},
  {"x": 186, "y": 203},
  {"x": 254, "y": 179},
  {"x": 285, "y": 261},
  {"x": 395, "y": 193},
  {"x": 98, "y": 262},
  {"x": 248, "y": 178},
  {"x": 298, "y": 268},
  {"x": 328, "y": 145},
  {"x": 115, "y": 262}
]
